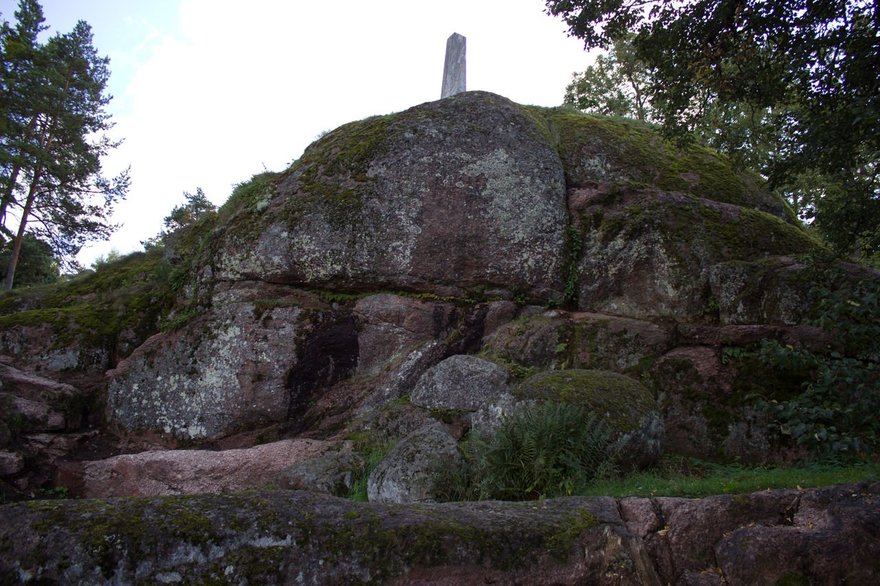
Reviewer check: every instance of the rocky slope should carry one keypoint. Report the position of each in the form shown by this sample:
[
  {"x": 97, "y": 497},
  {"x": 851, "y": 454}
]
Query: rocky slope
[{"x": 410, "y": 278}]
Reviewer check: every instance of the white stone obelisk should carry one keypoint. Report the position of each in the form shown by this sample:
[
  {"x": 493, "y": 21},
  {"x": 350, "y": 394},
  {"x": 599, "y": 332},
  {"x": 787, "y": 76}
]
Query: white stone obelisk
[{"x": 454, "y": 78}]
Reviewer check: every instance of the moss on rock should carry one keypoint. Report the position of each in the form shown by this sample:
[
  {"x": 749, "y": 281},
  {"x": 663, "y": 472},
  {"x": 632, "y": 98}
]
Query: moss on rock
[
  {"x": 292, "y": 536},
  {"x": 623, "y": 401},
  {"x": 625, "y": 152},
  {"x": 106, "y": 313},
  {"x": 649, "y": 253}
]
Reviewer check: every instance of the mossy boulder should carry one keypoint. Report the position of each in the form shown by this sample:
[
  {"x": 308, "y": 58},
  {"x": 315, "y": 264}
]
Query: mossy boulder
[
  {"x": 408, "y": 471},
  {"x": 624, "y": 403},
  {"x": 621, "y": 153},
  {"x": 461, "y": 196}
]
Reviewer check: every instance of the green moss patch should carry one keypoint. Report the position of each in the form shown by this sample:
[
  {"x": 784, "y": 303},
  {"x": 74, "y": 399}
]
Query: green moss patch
[
  {"x": 692, "y": 225},
  {"x": 623, "y": 401},
  {"x": 94, "y": 308},
  {"x": 627, "y": 152}
]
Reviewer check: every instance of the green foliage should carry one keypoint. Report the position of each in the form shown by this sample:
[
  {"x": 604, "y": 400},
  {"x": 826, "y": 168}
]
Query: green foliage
[
  {"x": 372, "y": 452},
  {"x": 37, "y": 264},
  {"x": 546, "y": 450},
  {"x": 54, "y": 119},
  {"x": 197, "y": 207},
  {"x": 574, "y": 244},
  {"x": 106, "y": 259},
  {"x": 614, "y": 86},
  {"x": 835, "y": 414}
]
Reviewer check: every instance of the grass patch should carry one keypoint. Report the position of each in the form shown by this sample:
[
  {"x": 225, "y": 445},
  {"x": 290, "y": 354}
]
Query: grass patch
[
  {"x": 543, "y": 451},
  {"x": 372, "y": 452},
  {"x": 693, "y": 478}
]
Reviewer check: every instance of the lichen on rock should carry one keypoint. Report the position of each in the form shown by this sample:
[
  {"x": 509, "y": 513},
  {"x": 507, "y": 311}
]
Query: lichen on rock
[
  {"x": 219, "y": 374},
  {"x": 446, "y": 197}
]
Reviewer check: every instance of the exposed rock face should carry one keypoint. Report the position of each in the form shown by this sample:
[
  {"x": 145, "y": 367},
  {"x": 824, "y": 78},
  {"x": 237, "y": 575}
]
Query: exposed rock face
[
  {"x": 167, "y": 472},
  {"x": 252, "y": 361},
  {"x": 407, "y": 472},
  {"x": 391, "y": 326},
  {"x": 817, "y": 536},
  {"x": 648, "y": 253},
  {"x": 560, "y": 339},
  {"x": 465, "y": 194},
  {"x": 41, "y": 420}
]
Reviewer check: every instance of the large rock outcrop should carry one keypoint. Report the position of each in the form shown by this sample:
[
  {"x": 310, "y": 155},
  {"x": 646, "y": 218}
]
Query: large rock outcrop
[
  {"x": 648, "y": 253},
  {"x": 314, "y": 301},
  {"x": 816, "y": 536},
  {"x": 457, "y": 196}
]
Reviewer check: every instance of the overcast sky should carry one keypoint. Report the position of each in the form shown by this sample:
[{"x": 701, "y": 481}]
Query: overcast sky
[{"x": 209, "y": 92}]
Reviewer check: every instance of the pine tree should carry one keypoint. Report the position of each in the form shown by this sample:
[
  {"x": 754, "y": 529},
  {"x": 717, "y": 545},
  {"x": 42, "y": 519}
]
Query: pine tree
[{"x": 57, "y": 105}]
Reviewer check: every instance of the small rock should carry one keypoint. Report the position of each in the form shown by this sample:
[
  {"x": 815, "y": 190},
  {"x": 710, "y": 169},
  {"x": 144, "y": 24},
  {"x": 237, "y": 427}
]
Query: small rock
[
  {"x": 407, "y": 472},
  {"x": 11, "y": 463},
  {"x": 332, "y": 473}
]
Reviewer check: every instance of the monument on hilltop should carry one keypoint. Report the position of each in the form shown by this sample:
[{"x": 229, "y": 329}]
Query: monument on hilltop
[{"x": 454, "y": 78}]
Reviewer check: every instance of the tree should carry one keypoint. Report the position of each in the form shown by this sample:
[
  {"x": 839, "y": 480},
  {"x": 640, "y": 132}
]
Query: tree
[
  {"x": 18, "y": 68},
  {"x": 196, "y": 207},
  {"x": 36, "y": 266},
  {"x": 807, "y": 68},
  {"x": 619, "y": 84},
  {"x": 54, "y": 120},
  {"x": 616, "y": 85}
]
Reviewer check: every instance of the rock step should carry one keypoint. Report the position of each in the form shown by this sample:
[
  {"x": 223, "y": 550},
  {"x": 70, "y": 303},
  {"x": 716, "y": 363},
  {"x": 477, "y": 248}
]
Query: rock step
[
  {"x": 172, "y": 472},
  {"x": 825, "y": 535}
]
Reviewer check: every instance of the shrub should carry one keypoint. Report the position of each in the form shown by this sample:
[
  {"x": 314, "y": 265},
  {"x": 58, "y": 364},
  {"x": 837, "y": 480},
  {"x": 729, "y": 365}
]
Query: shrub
[
  {"x": 545, "y": 450},
  {"x": 835, "y": 413}
]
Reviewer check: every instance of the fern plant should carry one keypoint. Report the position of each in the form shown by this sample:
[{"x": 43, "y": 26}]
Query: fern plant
[{"x": 545, "y": 450}]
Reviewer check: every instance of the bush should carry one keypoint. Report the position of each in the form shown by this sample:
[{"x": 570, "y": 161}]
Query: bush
[
  {"x": 835, "y": 414},
  {"x": 545, "y": 450}
]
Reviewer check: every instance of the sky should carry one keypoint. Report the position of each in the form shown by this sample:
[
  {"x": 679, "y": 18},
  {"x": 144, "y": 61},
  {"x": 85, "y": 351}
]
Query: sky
[{"x": 207, "y": 93}]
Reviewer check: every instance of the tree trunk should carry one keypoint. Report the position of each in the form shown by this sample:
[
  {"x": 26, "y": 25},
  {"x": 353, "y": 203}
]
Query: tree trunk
[
  {"x": 7, "y": 197},
  {"x": 19, "y": 237}
]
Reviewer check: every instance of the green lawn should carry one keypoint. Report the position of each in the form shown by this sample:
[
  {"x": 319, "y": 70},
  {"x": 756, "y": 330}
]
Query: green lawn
[{"x": 693, "y": 478}]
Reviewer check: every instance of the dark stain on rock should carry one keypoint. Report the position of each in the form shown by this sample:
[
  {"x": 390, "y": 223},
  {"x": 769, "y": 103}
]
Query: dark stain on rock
[{"x": 328, "y": 355}]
